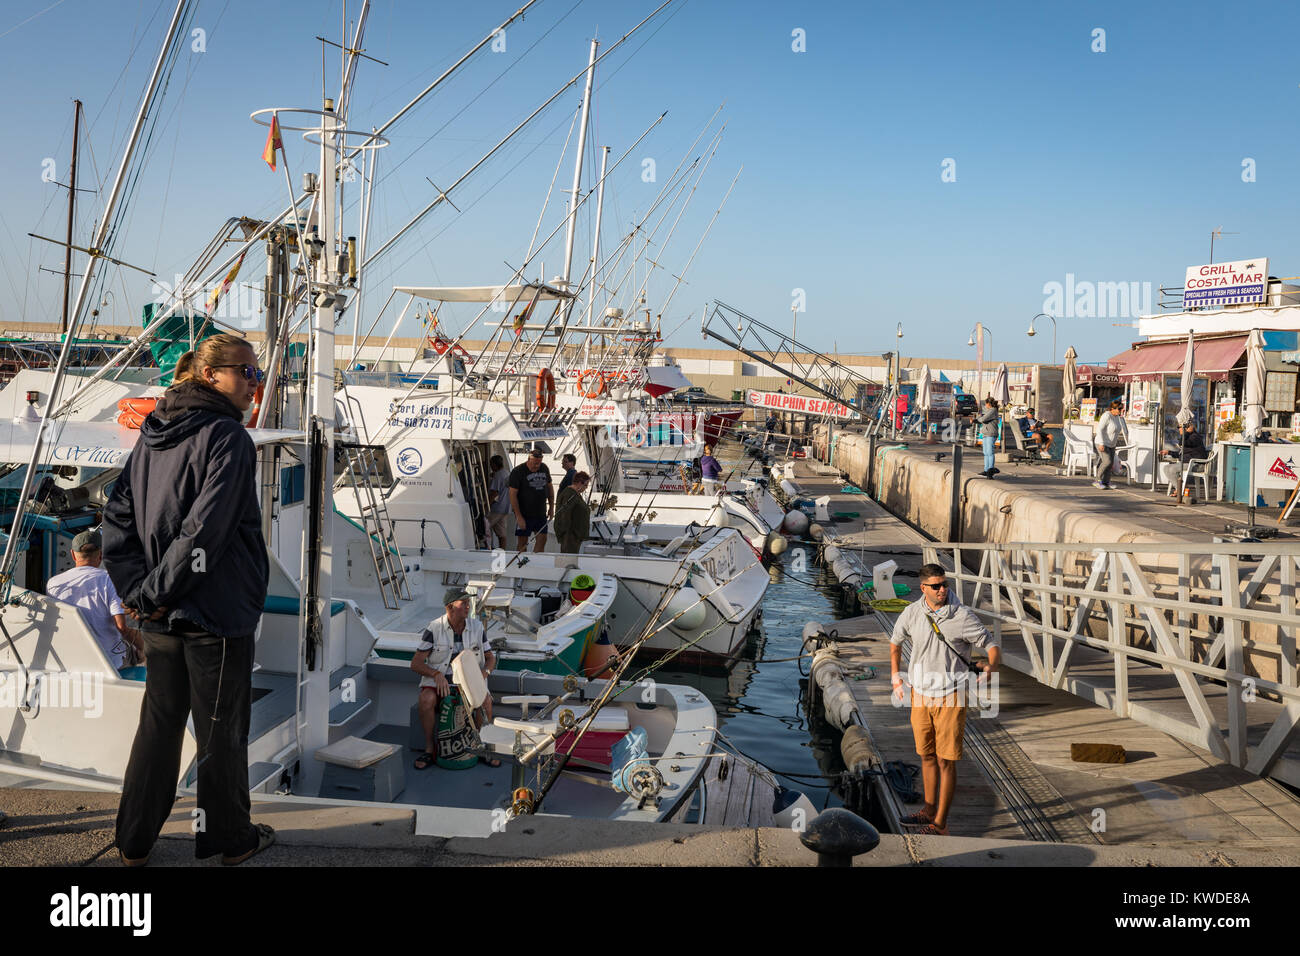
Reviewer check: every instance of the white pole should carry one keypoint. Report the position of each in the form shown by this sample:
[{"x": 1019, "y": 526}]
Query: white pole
[
  {"x": 595, "y": 253},
  {"x": 577, "y": 183}
]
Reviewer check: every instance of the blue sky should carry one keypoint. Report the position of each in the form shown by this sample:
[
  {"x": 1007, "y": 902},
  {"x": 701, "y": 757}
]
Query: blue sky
[{"x": 1109, "y": 166}]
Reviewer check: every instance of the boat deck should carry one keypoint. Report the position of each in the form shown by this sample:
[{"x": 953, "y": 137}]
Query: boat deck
[{"x": 482, "y": 787}]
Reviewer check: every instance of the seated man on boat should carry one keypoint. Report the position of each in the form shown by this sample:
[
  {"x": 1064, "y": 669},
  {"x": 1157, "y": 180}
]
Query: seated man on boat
[
  {"x": 88, "y": 586},
  {"x": 441, "y": 641}
]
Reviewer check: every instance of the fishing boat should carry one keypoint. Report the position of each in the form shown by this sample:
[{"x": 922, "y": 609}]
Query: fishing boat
[{"x": 333, "y": 711}]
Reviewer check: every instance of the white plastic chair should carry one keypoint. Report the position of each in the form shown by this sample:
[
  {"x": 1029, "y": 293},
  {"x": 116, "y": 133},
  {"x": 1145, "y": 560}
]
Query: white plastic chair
[
  {"x": 1201, "y": 469},
  {"x": 1124, "y": 456},
  {"x": 1078, "y": 454}
]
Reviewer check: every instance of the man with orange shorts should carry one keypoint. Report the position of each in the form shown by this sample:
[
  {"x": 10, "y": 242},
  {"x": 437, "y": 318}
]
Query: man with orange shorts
[{"x": 944, "y": 632}]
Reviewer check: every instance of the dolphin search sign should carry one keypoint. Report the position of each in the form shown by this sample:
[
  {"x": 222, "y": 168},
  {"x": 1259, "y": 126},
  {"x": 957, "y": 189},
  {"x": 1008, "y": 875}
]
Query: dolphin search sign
[{"x": 803, "y": 404}]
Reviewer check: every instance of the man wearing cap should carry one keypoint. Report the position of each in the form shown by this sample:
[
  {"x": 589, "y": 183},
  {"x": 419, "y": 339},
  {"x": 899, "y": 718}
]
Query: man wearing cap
[
  {"x": 89, "y": 587},
  {"x": 441, "y": 641},
  {"x": 532, "y": 499}
]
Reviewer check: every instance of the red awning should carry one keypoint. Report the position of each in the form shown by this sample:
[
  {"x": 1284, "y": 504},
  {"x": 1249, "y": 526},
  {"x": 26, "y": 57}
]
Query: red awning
[{"x": 1214, "y": 357}]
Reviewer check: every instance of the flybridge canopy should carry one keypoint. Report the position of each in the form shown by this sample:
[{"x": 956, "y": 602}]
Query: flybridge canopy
[
  {"x": 485, "y": 293},
  {"x": 97, "y": 444}
]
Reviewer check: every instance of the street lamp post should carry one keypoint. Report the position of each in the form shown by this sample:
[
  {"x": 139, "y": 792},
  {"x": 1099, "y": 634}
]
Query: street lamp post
[{"x": 1031, "y": 333}]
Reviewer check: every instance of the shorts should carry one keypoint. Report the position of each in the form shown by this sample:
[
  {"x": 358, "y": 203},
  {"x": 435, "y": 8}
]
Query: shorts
[
  {"x": 497, "y": 524},
  {"x": 531, "y": 526},
  {"x": 937, "y": 725}
]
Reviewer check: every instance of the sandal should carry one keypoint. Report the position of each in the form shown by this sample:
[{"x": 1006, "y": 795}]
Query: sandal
[
  {"x": 265, "y": 837},
  {"x": 918, "y": 819},
  {"x": 490, "y": 761},
  {"x": 930, "y": 830},
  {"x": 425, "y": 761}
]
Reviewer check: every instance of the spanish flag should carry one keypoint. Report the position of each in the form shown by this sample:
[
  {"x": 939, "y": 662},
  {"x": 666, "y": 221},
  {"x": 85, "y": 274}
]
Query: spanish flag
[{"x": 273, "y": 142}]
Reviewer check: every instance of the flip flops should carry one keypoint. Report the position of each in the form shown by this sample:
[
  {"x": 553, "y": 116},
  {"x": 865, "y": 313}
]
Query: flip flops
[
  {"x": 425, "y": 761},
  {"x": 265, "y": 837},
  {"x": 918, "y": 819}
]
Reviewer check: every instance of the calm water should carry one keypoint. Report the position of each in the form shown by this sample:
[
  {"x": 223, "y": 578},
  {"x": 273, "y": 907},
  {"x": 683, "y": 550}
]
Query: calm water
[
  {"x": 760, "y": 705},
  {"x": 759, "y": 702}
]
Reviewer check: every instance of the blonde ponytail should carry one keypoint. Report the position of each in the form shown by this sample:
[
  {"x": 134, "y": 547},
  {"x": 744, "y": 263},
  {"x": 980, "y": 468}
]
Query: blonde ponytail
[{"x": 220, "y": 349}]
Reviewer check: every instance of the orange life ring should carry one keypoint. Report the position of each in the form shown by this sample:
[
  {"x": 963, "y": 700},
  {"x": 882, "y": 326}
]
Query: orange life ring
[
  {"x": 545, "y": 390},
  {"x": 257, "y": 407},
  {"x": 133, "y": 411},
  {"x": 598, "y": 390}
]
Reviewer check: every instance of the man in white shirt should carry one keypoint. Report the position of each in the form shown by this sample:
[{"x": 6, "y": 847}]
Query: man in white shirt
[
  {"x": 441, "y": 641},
  {"x": 1110, "y": 434},
  {"x": 943, "y": 632},
  {"x": 89, "y": 587}
]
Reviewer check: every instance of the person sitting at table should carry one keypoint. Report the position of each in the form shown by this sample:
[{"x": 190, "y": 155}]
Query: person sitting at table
[
  {"x": 1190, "y": 447},
  {"x": 1033, "y": 428}
]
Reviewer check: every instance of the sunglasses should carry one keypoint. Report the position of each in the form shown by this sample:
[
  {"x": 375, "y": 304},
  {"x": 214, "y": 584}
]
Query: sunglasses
[
  {"x": 251, "y": 373},
  {"x": 942, "y": 585}
]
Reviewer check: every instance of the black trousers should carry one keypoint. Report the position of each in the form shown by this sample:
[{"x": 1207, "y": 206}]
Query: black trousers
[{"x": 210, "y": 677}]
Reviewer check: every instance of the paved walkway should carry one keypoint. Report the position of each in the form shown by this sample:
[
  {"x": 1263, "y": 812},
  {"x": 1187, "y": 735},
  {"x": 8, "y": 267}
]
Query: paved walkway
[
  {"x": 1153, "y": 512},
  {"x": 75, "y": 828}
]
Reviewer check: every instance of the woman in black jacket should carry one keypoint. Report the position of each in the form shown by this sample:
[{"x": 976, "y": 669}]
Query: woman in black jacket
[{"x": 183, "y": 544}]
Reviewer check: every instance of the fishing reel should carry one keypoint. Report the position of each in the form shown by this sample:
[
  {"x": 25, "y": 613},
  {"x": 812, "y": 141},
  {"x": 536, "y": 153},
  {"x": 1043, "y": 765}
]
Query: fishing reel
[
  {"x": 566, "y": 720},
  {"x": 645, "y": 783},
  {"x": 522, "y": 802}
]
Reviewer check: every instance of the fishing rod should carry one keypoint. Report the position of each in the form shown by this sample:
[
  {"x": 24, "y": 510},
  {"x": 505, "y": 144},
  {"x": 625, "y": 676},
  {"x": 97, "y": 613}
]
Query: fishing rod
[{"x": 612, "y": 685}]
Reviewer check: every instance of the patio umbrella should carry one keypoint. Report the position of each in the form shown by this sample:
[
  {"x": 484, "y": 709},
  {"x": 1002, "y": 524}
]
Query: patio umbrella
[
  {"x": 1001, "y": 392},
  {"x": 1189, "y": 372},
  {"x": 924, "y": 399},
  {"x": 1255, "y": 372},
  {"x": 1068, "y": 375}
]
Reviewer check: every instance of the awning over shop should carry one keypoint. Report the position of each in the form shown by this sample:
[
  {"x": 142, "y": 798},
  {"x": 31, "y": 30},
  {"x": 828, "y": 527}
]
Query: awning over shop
[
  {"x": 1214, "y": 357},
  {"x": 1096, "y": 375}
]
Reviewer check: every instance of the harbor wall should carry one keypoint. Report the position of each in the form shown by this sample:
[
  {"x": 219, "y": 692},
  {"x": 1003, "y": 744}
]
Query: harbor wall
[{"x": 911, "y": 484}]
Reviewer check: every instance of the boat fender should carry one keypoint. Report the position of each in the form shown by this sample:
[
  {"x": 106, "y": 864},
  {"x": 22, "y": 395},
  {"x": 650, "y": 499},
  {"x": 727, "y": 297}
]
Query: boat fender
[
  {"x": 856, "y": 749},
  {"x": 776, "y": 543},
  {"x": 796, "y": 522},
  {"x": 687, "y": 603},
  {"x": 790, "y": 808}
]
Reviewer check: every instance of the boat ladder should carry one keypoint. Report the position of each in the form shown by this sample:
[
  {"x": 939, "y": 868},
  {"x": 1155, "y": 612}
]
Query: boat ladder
[{"x": 362, "y": 473}]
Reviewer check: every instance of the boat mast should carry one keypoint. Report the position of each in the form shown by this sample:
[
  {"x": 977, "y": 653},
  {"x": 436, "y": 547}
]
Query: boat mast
[
  {"x": 577, "y": 183},
  {"x": 595, "y": 255},
  {"x": 72, "y": 200}
]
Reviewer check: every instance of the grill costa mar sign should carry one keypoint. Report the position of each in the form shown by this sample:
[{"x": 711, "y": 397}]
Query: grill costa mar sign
[
  {"x": 803, "y": 404},
  {"x": 1225, "y": 283}
]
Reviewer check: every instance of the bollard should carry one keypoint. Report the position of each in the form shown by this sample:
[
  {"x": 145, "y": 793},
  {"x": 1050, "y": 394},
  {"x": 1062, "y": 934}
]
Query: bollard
[{"x": 838, "y": 835}]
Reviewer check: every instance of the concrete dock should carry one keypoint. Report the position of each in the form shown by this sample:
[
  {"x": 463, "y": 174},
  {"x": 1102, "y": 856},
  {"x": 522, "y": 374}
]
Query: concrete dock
[
  {"x": 75, "y": 828},
  {"x": 1167, "y": 794}
]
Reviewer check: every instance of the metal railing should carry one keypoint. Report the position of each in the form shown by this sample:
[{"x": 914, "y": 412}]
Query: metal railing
[{"x": 1143, "y": 628}]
